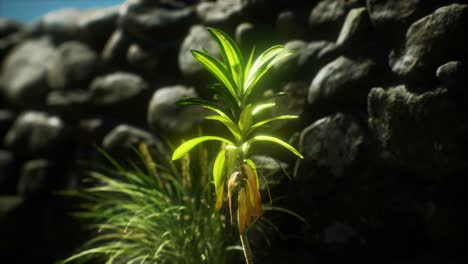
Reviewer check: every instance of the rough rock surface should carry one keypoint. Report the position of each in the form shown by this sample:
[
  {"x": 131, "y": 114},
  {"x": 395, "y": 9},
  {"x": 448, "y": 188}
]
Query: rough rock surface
[
  {"x": 327, "y": 17},
  {"x": 432, "y": 41},
  {"x": 357, "y": 28},
  {"x": 421, "y": 131},
  {"x": 342, "y": 84},
  {"x": 331, "y": 146}
]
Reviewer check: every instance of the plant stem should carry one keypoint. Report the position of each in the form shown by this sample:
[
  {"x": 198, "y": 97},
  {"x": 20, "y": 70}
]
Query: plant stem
[{"x": 246, "y": 246}]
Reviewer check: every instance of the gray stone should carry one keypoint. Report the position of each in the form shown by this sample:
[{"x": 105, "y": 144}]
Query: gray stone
[
  {"x": 454, "y": 75},
  {"x": 165, "y": 116},
  {"x": 391, "y": 18},
  {"x": 8, "y": 42},
  {"x": 123, "y": 140},
  {"x": 342, "y": 84},
  {"x": 9, "y": 26},
  {"x": 96, "y": 25},
  {"x": 144, "y": 60},
  {"x": 120, "y": 94},
  {"x": 7, "y": 117},
  {"x": 307, "y": 59},
  {"x": 115, "y": 50},
  {"x": 248, "y": 36},
  {"x": 37, "y": 134},
  {"x": 116, "y": 87},
  {"x": 327, "y": 17},
  {"x": 422, "y": 132},
  {"x": 72, "y": 104},
  {"x": 61, "y": 24},
  {"x": 73, "y": 65},
  {"x": 295, "y": 100},
  {"x": 431, "y": 42},
  {"x": 197, "y": 39},
  {"x": 339, "y": 233},
  {"x": 356, "y": 31},
  {"x": 331, "y": 147},
  {"x": 36, "y": 178},
  {"x": 220, "y": 13},
  {"x": 149, "y": 22},
  {"x": 8, "y": 176},
  {"x": 23, "y": 80},
  {"x": 292, "y": 24}
]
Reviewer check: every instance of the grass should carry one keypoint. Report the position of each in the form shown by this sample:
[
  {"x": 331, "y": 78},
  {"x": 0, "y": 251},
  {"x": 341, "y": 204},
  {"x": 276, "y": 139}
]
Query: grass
[{"x": 152, "y": 213}]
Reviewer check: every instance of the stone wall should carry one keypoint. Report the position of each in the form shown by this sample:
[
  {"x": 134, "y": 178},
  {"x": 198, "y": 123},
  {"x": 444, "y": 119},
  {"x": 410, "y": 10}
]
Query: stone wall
[{"x": 379, "y": 85}]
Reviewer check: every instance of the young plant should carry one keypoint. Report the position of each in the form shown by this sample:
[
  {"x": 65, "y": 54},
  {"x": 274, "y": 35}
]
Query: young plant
[{"x": 238, "y": 111}]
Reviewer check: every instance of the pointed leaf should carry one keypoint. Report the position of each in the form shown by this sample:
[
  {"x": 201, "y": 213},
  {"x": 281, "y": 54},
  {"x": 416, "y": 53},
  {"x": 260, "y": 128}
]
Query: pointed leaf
[
  {"x": 228, "y": 123},
  {"x": 187, "y": 146},
  {"x": 248, "y": 66},
  {"x": 226, "y": 120},
  {"x": 262, "y": 65},
  {"x": 277, "y": 141},
  {"x": 231, "y": 155},
  {"x": 232, "y": 55},
  {"x": 245, "y": 120},
  {"x": 219, "y": 71},
  {"x": 219, "y": 169},
  {"x": 266, "y": 121},
  {"x": 260, "y": 108}
]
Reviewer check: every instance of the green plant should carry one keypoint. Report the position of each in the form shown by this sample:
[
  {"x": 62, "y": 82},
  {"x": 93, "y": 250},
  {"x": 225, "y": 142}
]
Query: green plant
[
  {"x": 237, "y": 110},
  {"x": 152, "y": 213}
]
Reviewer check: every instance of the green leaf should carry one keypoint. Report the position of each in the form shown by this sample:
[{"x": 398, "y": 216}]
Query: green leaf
[
  {"x": 248, "y": 66},
  {"x": 218, "y": 69},
  {"x": 262, "y": 65},
  {"x": 263, "y": 122},
  {"x": 219, "y": 168},
  {"x": 231, "y": 154},
  {"x": 187, "y": 146},
  {"x": 245, "y": 120},
  {"x": 195, "y": 101},
  {"x": 260, "y": 108},
  {"x": 231, "y": 54},
  {"x": 277, "y": 141},
  {"x": 206, "y": 104},
  {"x": 228, "y": 123}
]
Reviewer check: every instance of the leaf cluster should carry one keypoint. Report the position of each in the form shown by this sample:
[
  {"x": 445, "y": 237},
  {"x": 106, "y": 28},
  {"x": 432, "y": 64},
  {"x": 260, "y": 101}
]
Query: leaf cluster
[{"x": 237, "y": 78}]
